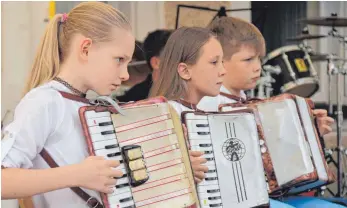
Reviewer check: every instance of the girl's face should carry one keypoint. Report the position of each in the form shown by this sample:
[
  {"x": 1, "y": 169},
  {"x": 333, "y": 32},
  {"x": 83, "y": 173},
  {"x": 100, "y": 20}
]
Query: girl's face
[
  {"x": 106, "y": 66},
  {"x": 206, "y": 76}
]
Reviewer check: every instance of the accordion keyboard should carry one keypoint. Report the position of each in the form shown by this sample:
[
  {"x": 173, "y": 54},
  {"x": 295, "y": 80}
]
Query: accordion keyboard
[
  {"x": 105, "y": 144},
  {"x": 200, "y": 140}
]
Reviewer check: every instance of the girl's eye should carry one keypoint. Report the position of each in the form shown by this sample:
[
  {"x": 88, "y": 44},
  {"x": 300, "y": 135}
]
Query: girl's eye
[
  {"x": 119, "y": 60},
  {"x": 214, "y": 62}
]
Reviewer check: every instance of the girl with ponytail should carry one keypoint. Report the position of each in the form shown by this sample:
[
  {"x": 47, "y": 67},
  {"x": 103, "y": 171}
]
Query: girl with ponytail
[{"x": 87, "y": 49}]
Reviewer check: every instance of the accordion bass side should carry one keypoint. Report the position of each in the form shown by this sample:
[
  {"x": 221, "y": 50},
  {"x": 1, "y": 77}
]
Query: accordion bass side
[
  {"x": 296, "y": 162},
  {"x": 234, "y": 152},
  {"x": 149, "y": 143}
]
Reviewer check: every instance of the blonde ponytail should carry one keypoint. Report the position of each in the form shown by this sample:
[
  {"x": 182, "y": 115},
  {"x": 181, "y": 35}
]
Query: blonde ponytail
[
  {"x": 46, "y": 62},
  {"x": 95, "y": 20}
]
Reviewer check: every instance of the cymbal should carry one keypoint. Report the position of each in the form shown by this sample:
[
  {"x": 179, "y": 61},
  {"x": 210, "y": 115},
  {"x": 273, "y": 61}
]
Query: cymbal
[
  {"x": 332, "y": 21},
  {"x": 306, "y": 37},
  {"x": 325, "y": 57}
]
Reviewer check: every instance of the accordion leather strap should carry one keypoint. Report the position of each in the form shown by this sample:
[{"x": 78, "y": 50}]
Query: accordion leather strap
[
  {"x": 91, "y": 201},
  {"x": 74, "y": 97}
]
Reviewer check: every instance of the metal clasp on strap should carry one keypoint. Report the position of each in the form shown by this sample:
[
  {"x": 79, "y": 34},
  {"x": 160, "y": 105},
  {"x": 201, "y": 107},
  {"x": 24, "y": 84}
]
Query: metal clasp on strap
[
  {"x": 89, "y": 200},
  {"x": 107, "y": 101}
]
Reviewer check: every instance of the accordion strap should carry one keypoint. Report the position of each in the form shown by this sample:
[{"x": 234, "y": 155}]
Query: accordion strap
[
  {"x": 92, "y": 202},
  {"x": 74, "y": 97}
]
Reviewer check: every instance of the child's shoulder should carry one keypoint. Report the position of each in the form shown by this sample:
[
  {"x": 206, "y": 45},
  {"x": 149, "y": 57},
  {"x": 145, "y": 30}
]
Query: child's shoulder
[{"x": 41, "y": 96}]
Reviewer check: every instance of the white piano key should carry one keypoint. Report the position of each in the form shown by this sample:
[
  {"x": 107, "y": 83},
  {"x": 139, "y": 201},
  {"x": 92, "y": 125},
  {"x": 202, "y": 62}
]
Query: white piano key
[
  {"x": 211, "y": 175},
  {"x": 122, "y": 180},
  {"x": 195, "y": 116},
  {"x": 99, "y": 129},
  {"x": 198, "y": 142},
  {"x": 203, "y": 149},
  {"x": 100, "y": 137},
  {"x": 97, "y": 121},
  {"x": 106, "y": 143},
  {"x": 93, "y": 114},
  {"x": 117, "y": 191}
]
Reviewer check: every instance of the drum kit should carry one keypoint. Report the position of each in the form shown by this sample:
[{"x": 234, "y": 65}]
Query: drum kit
[{"x": 290, "y": 69}]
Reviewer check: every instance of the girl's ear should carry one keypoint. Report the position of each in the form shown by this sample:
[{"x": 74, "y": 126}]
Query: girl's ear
[
  {"x": 84, "y": 48},
  {"x": 183, "y": 71}
]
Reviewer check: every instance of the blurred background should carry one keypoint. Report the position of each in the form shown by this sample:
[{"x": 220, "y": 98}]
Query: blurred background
[{"x": 303, "y": 26}]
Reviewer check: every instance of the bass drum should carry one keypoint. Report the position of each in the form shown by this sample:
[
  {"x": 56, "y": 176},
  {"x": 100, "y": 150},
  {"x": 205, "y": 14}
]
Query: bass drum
[{"x": 297, "y": 76}]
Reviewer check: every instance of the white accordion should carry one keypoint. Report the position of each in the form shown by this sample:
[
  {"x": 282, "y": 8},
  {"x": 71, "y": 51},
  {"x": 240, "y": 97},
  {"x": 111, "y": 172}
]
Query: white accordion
[
  {"x": 149, "y": 142},
  {"x": 254, "y": 150}
]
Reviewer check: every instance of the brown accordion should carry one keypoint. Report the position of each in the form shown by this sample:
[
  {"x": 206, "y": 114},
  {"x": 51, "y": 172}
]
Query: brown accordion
[{"x": 149, "y": 143}]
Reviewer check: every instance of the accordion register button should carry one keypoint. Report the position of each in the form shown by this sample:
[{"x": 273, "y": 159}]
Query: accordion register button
[{"x": 261, "y": 142}]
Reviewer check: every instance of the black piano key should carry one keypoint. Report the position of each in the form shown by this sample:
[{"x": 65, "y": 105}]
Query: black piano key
[
  {"x": 210, "y": 159},
  {"x": 107, "y": 132},
  {"x": 205, "y": 145},
  {"x": 211, "y": 179},
  {"x": 122, "y": 185},
  {"x": 208, "y": 152},
  {"x": 202, "y": 125},
  {"x": 211, "y": 171},
  {"x": 203, "y": 133},
  {"x": 214, "y": 197},
  {"x": 213, "y": 191},
  {"x": 111, "y": 146},
  {"x": 113, "y": 154},
  {"x": 126, "y": 199},
  {"x": 106, "y": 123},
  {"x": 216, "y": 205}
]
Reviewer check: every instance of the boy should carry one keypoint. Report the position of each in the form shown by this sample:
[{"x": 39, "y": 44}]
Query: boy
[{"x": 243, "y": 46}]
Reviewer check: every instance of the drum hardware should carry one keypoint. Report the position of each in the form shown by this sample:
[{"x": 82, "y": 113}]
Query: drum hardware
[
  {"x": 333, "y": 70},
  {"x": 333, "y": 20},
  {"x": 305, "y": 35},
  {"x": 286, "y": 61},
  {"x": 264, "y": 84}
]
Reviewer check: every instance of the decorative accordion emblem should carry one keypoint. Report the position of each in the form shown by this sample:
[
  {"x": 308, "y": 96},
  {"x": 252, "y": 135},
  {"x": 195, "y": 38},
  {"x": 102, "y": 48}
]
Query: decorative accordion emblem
[{"x": 233, "y": 149}]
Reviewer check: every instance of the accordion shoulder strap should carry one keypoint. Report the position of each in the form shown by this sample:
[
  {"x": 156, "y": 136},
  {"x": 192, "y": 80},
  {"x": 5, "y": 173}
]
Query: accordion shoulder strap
[
  {"x": 74, "y": 97},
  {"x": 91, "y": 201}
]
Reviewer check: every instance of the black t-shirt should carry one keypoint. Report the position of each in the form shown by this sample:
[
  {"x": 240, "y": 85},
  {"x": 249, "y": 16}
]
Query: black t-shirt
[{"x": 138, "y": 92}]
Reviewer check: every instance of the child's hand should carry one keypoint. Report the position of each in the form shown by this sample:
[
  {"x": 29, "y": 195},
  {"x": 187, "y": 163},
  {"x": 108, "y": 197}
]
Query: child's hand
[
  {"x": 324, "y": 122},
  {"x": 97, "y": 173},
  {"x": 199, "y": 170}
]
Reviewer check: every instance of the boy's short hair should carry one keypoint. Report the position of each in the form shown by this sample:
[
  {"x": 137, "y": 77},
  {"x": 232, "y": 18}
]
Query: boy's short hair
[
  {"x": 154, "y": 43},
  {"x": 234, "y": 32}
]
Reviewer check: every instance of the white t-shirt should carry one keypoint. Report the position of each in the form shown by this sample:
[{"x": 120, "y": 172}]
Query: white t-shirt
[
  {"x": 211, "y": 103},
  {"x": 44, "y": 118}
]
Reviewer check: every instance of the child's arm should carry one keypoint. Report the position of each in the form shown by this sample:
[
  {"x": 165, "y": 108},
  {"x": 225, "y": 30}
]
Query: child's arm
[{"x": 94, "y": 173}]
